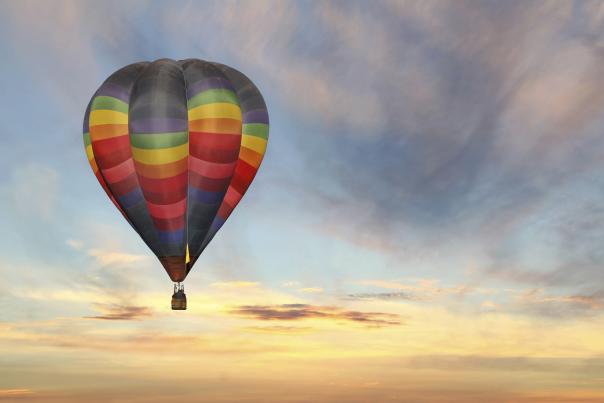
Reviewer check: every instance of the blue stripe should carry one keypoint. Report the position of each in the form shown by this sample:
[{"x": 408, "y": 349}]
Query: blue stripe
[
  {"x": 203, "y": 196},
  {"x": 131, "y": 198},
  {"x": 171, "y": 236},
  {"x": 256, "y": 116}
]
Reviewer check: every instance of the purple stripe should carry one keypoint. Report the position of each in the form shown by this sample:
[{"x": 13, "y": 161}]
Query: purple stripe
[
  {"x": 86, "y": 126},
  {"x": 216, "y": 224},
  {"x": 112, "y": 90},
  {"x": 208, "y": 84},
  {"x": 256, "y": 116},
  {"x": 158, "y": 125},
  {"x": 172, "y": 236},
  {"x": 130, "y": 199},
  {"x": 205, "y": 197}
]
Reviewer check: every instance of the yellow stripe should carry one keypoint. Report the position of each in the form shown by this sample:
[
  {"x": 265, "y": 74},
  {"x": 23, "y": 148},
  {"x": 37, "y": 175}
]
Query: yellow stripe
[
  {"x": 89, "y": 152},
  {"x": 215, "y": 125},
  {"x": 161, "y": 155},
  {"x": 107, "y": 117},
  {"x": 254, "y": 143},
  {"x": 216, "y": 110}
]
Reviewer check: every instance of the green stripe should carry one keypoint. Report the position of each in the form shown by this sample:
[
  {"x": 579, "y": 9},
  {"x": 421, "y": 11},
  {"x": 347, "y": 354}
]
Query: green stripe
[
  {"x": 86, "y": 139},
  {"x": 212, "y": 96},
  {"x": 109, "y": 103},
  {"x": 256, "y": 129},
  {"x": 158, "y": 140}
]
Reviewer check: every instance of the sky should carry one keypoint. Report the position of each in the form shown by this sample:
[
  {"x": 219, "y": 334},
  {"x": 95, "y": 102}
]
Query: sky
[{"x": 426, "y": 226}]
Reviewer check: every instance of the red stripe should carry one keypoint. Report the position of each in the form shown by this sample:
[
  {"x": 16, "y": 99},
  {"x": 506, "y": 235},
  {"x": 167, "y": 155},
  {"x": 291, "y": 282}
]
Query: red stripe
[
  {"x": 107, "y": 146},
  {"x": 214, "y": 147},
  {"x": 167, "y": 210},
  {"x": 169, "y": 224},
  {"x": 232, "y": 197},
  {"x": 209, "y": 184},
  {"x": 124, "y": 186},
  {"x": 166, "y": 197},
  {"x": 111, "y": 197},
  {"x": 244, "y": 174},
  {"x": 211, "y": 169},
  {"x": 215, "y": 140},
  {"x": 119, "y": 172},
  {"x": 225, "y": 211},
  {"x": 245, "y": 171},
  {"x": 230, "y": 201},
  {"x": 110, "y": 152},
  {"x": 171, "y": 184},
  {"x": 212, "y": 155}
]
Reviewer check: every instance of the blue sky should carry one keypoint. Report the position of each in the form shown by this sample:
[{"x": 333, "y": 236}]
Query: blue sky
[{"x": 425, "y": 158}]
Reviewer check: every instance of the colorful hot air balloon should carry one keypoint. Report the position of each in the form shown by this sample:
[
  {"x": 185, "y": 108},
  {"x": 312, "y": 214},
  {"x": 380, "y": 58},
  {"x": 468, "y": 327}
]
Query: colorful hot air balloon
[{"x": 175, "y": 145}]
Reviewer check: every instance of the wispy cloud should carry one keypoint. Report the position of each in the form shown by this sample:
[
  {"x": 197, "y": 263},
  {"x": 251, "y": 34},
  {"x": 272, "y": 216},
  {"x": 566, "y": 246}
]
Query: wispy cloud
[
  {"x": 232, "y": 285},
  {"x": 537, "y": 302},
  {"x": 382, "y": 296},
  {"x": 311, "y": 290},
  {"x": 423, "y": 289},
  {"x": 120, "y": 312},
  {"x": 107, "y": 257},
  {"x": 15, "y": 393},
  {"x": 75, "y": 244},
  {"x": 449, "y": 134},
  {"x": 294, "y": 312}
]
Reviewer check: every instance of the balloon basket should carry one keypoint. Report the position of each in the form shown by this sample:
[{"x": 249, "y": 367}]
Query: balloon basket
[{"x": 179, "y": 298}]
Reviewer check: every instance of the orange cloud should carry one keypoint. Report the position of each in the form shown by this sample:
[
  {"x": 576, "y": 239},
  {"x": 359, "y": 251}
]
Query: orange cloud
[
  {"x": 121, "y": 312},
  {"x": 290, "y": 312},
  {"x": 14, "y": 393}
]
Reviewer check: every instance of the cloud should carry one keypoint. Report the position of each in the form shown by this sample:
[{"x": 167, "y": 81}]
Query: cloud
[
  {"x": 312, "y": 84},
  {"x": 75, "y": 244},
  {"x": 88, "y": 31},
  {"x": 294, "y": 312},
  {"x": 15, "y": 393},
  {"x": 567, "y": 240},
  {"x": 107, "y": 258},
  {"x": 489, "y": 306},
  {"x": 34, "y": 190},
  {"x": 233, "y": 285},
  {"x": 311, "y": 290},
  {"x": 537, "y": 302},
  {"x": 592, "y": 365},
  {"x": 382, "y": 296},
  {"x": 128, "y": 338},
  {"x": 422, "y": 290},
  {"x": 489, "y": 119},
  {"x": 120, "y": 312}
]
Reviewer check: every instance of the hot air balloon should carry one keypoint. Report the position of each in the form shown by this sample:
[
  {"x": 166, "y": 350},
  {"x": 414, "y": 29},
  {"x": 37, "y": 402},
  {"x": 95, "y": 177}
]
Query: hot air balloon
[{"x": 175, "y": 145}]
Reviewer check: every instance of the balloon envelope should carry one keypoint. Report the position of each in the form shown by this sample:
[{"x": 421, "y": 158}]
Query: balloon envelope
[{"x": 175, "y": 145}]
